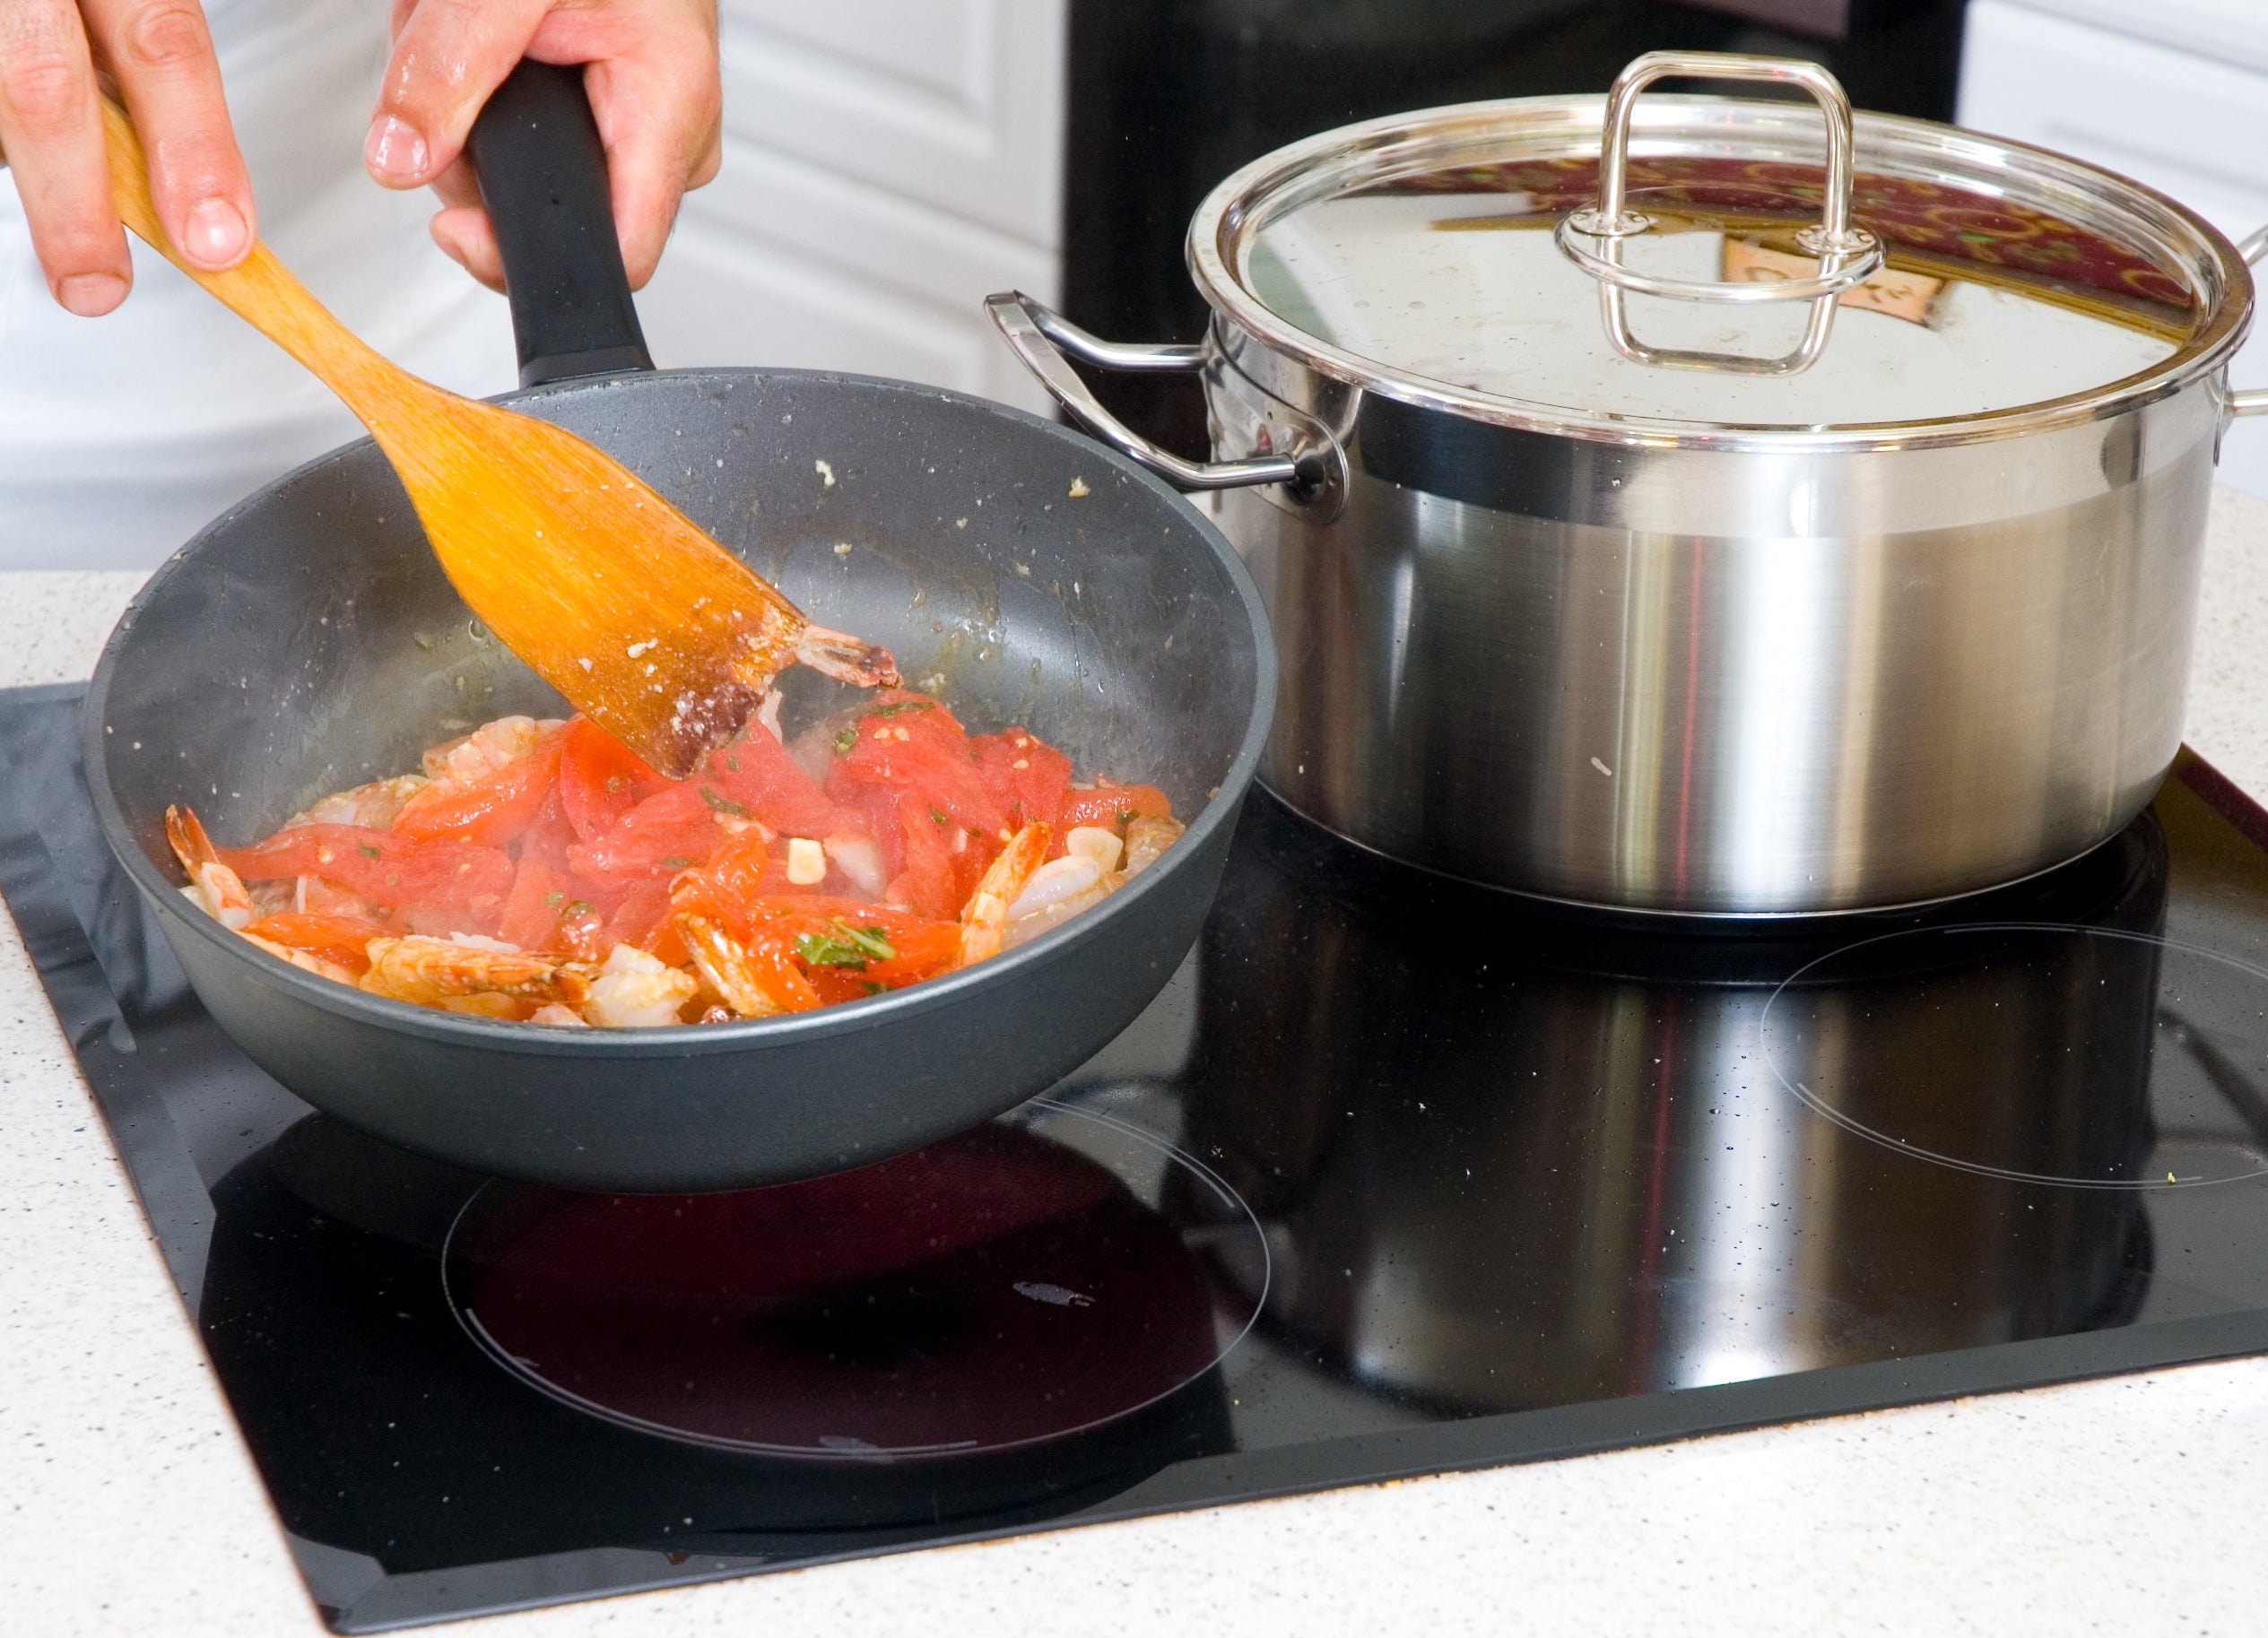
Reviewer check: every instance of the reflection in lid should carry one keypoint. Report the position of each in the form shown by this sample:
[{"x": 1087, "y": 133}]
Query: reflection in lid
[{"x": 1985, "y": 304}]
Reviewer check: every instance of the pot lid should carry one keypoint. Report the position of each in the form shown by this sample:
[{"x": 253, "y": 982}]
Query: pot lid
[{"x": 1467, "y": 257}]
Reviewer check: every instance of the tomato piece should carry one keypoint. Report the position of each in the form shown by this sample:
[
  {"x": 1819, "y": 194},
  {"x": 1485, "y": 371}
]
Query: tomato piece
[
  {"x": 491, "y": 811},
  {"x": 1113, "y": 806},
  {"x": 1026, "y": 776},
  {"x": 919, "y": 947},
  {"x": 643, "y": 913},
  {"x": 343, "y": 939},
  {"x": 759, "y": 776},
  {"x": 600, "y": 779},
  {"x": 395, "y": 872},
  {"x": 673, "y": 831},
  {"x": 927, "y": 883},
  {"x": 909, "y": 742},
  {"x": 782, "y": 977},
  {"x": 924, "y": 950},
  {"x": 532, "y": 910}
]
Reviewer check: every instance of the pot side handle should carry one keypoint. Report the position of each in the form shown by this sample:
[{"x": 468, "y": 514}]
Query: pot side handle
[
  {"x": 1041, "y": 336},
  {"x": 2254, "y": 401},
  {"x": 541, "y": 168}
]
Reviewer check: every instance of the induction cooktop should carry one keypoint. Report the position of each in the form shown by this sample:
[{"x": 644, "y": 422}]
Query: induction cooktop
[{"x": 1396, "y": 1176}]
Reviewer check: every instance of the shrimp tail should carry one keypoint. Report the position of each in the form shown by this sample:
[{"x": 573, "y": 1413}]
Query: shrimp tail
[
  {"x": 984, "y": 920},
  {"x": 216, "y": 889},
  {"x": 846, "y": 658}
]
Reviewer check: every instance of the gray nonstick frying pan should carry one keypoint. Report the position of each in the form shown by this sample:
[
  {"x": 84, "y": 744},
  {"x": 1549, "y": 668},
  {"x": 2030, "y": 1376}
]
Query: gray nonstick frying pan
[{"x": 306, "y": 640}]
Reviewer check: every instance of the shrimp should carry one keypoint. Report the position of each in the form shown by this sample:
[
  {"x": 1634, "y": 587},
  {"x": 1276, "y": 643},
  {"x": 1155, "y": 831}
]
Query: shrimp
[
  {"x": 984, "y": 917},
  {"x": 1146, "y": 838},
  {"x": 1079, "y": 880},
  {"x": 214, "y": 887},
  {"x": 724, "y": 965},
  {"x": 633, "y": 990},
  {"x": 496, "y": 980},
  {"x": 374, "y": 806},
  {"x": 489, "y": 749},
  {"x": 306, "y": 961}
]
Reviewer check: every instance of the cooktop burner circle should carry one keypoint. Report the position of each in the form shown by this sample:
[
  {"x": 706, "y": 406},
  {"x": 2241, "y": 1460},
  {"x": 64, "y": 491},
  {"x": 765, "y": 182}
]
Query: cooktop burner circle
[
  {"x": 1019, "y": 1283},
  {"x": 2079, "y": 1056}
]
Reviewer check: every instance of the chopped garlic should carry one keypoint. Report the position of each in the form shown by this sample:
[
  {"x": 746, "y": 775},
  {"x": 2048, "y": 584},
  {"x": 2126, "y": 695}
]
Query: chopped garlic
[
  {"x": 806, "y": 862},
  {"x": 1093, "y": 842}
]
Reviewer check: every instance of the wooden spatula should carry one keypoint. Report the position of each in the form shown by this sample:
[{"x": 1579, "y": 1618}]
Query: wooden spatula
[{"x": 613, "y": 596}]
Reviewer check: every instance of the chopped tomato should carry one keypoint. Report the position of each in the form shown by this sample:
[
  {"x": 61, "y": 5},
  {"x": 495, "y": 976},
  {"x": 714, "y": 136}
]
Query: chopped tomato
[
  {"x": 1113, "y": 806},
  {"x": 393, "y": 871},
  {"x": 491, "y": 812},
  {"x": 670, "y": 832},
  {"x": 758, "y": 775},
  {"x": 549, "y": 837},
  {"x": 874, "y": 943},
  {"x": 335, "y": 938},
  {"x": 532, "y": 910},
  {"x": 600, "y": 779},
  {"x": 1027, "y": 777},
  {"x": 928, "y": 884},
  {"x": 911, "y": 743}
]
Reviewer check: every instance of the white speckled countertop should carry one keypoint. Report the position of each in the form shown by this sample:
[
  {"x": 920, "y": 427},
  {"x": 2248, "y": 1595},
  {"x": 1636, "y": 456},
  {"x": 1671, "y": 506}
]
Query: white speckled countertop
[{"x": 128, "y": 1504}]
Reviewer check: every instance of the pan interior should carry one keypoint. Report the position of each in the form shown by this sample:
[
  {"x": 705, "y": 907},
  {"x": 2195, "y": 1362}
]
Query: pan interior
[{"x": 308, "y": 641}]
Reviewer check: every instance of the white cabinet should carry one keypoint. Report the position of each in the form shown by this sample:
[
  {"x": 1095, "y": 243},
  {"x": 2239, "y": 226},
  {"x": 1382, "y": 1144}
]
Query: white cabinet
[
  {"x": 2176, "y": 98},
  {"x": 888, "y": 163}
]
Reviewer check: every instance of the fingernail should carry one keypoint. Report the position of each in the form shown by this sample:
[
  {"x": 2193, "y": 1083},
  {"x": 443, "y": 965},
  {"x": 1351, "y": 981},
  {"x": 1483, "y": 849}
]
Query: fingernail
[
  {"x": 217, "y": 232},
  {"x": 394, "y": 152},
  {"x": 90, "y": 295}
]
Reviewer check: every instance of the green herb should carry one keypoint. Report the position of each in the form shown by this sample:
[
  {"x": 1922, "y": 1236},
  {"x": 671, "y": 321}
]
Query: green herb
[
  {"x": 818, "y": 949},
  {"x": 366, "y": 850},
  {"x": 847, "y": 947},
  {"x": 719, "y": 804},
  {"x": 874, "y": 940},
  {"x": 844, "y": 738},
  {"x": 552, "y": 901},
  {"x": 900, "y": 707},
  {"x": 1127, "y": 816},
  {"x": 733, "y": 763},
  {"x": 938, "y": 814},
  {"x": 871, "y": 987},
  {"x": 677, "y": 862}
]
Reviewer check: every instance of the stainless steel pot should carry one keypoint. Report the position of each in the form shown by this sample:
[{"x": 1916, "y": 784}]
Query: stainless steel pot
[{"x": 1688, "y": 505}]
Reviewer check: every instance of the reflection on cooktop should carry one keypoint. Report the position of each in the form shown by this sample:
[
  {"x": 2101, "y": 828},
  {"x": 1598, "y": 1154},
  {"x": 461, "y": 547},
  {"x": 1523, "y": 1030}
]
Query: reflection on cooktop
[
  {"x": 1000, "y": 1289},
  {"x": 1396, "y": 1176}
]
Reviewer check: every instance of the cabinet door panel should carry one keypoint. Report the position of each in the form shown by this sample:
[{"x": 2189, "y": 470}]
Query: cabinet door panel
[
  {"x": 957, "y": 103},
  {"x": 2187, "y": 125}
]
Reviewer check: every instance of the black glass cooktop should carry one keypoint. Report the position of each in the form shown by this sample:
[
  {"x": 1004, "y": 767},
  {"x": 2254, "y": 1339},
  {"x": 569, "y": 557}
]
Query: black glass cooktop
[{"x": 1396, "y": 1176}]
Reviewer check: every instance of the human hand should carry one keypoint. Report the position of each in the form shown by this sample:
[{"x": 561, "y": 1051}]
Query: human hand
[
  {"x": 159, "y": 55},
  {"x": 650, "y": 68}
]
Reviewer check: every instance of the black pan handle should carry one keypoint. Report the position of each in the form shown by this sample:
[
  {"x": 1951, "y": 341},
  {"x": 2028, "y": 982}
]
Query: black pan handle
[{"x": 542, "y": 176}]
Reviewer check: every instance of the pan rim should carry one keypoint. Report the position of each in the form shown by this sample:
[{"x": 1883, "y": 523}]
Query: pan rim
[{"x": 682, "y": 1040}]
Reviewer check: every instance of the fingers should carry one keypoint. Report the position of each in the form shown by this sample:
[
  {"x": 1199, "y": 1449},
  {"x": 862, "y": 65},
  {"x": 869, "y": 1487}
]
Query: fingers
[
  {"x": 650, "y": 68},
  {"x": 660, "y": 116},
  {"x": 51, "y": 131},
  {"x": 160, "y": 55},
  {"x": 448, "y": 56},
  {"x": 462, "y": 231}
]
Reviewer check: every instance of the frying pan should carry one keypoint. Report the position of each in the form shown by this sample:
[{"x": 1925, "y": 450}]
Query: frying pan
[{"x": 306, "y": 640}]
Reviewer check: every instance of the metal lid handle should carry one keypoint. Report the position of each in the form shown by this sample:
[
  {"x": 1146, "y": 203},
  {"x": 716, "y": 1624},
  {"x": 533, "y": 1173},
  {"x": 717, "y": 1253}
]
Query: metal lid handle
[
  {"x": 2254, "y": 401},
  {"x": 1848, "y": 255}
]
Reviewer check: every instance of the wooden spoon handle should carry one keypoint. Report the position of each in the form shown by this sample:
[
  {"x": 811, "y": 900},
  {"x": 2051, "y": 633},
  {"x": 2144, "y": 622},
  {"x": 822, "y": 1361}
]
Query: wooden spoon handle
[{"x": 263, "y": 293}]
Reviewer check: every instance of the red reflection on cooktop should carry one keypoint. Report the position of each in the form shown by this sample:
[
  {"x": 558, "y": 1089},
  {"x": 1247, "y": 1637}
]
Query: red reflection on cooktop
[{"x": 993, "y": 1290}]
